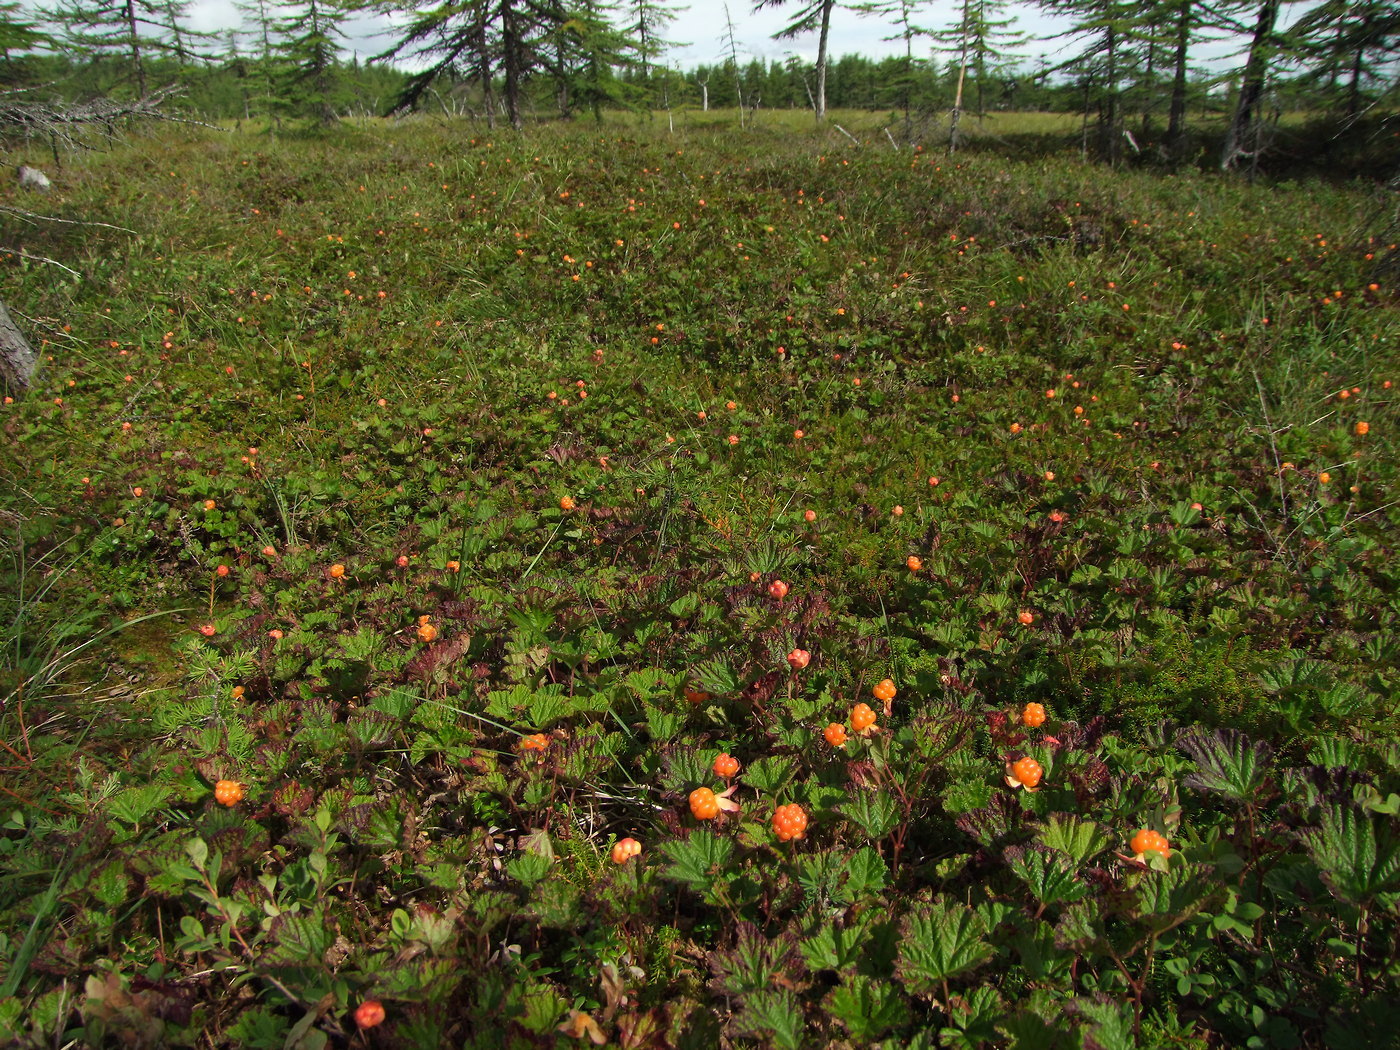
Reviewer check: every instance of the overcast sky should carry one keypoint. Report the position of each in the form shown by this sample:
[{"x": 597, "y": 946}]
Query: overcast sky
[{"x": 700, "y": 28}]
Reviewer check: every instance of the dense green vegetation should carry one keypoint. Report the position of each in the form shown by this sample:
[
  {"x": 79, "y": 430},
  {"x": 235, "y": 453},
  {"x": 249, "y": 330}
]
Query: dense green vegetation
[{"x": 432, "y": 490}]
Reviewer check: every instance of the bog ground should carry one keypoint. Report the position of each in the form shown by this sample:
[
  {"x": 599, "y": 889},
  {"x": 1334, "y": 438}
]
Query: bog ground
[{"x": 968, "y": 582}]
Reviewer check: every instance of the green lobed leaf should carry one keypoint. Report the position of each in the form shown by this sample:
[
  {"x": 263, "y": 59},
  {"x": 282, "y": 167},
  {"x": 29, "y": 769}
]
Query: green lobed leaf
[
  {"x": 868, "y": 1008},
  {"x": 1227, "y": 763},
  {"x": 1049, "y": 874},
  {"x": 938, "y": 941},
  {"x": 698, "y": 860},
  {"x": 1357, "y": 853},
  {"x": 1076, "y": 838}
]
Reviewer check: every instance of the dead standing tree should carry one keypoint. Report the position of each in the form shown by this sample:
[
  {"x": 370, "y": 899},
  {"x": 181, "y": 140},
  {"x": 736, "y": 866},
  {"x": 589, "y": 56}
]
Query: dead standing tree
[{"x": 60, "y": 126}]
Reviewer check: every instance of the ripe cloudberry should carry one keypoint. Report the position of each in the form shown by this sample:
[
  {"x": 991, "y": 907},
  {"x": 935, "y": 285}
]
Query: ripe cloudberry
[
  {"x": 625, "y": 849},
  {"x": 862, "y": 717},
  {"x": 835, "y": 734},
  {"x": 884, "y": 690},
  {"x": 228, "y": 792},
  {"x": 369, "y": 1013},
  {"x": 1024, "y": 772},
  {"x": 1148, "y": 841},
  {"x": 704, "y": 804},
  {"x": 1033, "y": 715},
  {"x": 789, "y": 822},
  {"x": 726, "y": 765}
]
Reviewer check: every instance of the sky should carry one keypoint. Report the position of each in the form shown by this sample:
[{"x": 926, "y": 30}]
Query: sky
[{"x": 700, "y": 29}]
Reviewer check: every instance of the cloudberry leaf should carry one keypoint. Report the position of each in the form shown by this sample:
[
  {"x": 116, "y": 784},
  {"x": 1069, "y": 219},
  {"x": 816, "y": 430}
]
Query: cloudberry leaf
[
  {"x": 1109, "y": 1024},
  {"x": 755, "y": 963},
  {"x": 1078, "y": 839},
  {"x": 1050, "y": 875},
  {"x": 699, "y": 860},
  {"x": 868, "y": 1008},
  {"x": 867, "y": 875},
  {"x": 1357, "y": 854},
  {"x": 1162, "y": 900},
  {"x": 770, "y": 774},
  {"x": 775, "y": 1014},
  {"x": 835, "y": 946},
  {"x": 940, "y": 940},
  {"x": 1227, "y": 763},
  {"x": 874, "y": 812}
]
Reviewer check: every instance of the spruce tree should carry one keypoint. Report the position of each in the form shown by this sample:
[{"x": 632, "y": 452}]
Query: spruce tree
[{"x": 307, "y": 42}]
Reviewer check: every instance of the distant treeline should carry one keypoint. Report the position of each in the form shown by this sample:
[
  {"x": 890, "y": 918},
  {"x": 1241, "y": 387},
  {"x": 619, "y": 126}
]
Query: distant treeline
[
  {"x": 242, "y": 87},
  {"x": 1130, "y": 68}
]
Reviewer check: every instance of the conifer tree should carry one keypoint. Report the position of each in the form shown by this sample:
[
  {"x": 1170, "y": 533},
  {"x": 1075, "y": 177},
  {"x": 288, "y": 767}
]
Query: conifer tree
[
  {"x": 646, "y": 21},
  {"x": 130, "y": 30},
  {"x": 307, "y": 41},
  {"x": 592, "y": 50},
  {"x": 1113, "y": 32},
  {"x": 814, "y": 15},
  {"x": 1348, "y": 45},
  {"x": 901, "y": 13}
]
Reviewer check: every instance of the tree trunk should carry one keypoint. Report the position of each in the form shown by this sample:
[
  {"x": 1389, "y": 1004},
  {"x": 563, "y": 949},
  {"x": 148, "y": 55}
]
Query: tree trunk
[
  {"x": 1109, "y": 145},
  {"x": 1256, "y": 68},
  {"x": 1176, "y": 114},
  {"x": 17, "y": 358},
  {"x": 138, "y": 67},
  {"x": 955, "y": 118},
  {"x": 822, "y": 59},
  {"x": 483, "y": 72},
  {"x": 1354, "y": 88},
  {"x": 511, "y": 47}
]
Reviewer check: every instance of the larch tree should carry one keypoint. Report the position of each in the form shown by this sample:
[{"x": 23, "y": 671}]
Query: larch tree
[
  {"x": 511, "y": 38},
  {"x": 1113, "y": 32},
  {"x": 592, "y": 50},
  {"x": 133, "y": 30},
  {"x": 646, "y": 21},
  {"x": 1351, "y": 46},
  {"x": 979, "y": 34},
  {"x": 901, "y": 13},
  {"x": 1243, "y": 136},
  {"x": 813, "y": 15}
]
